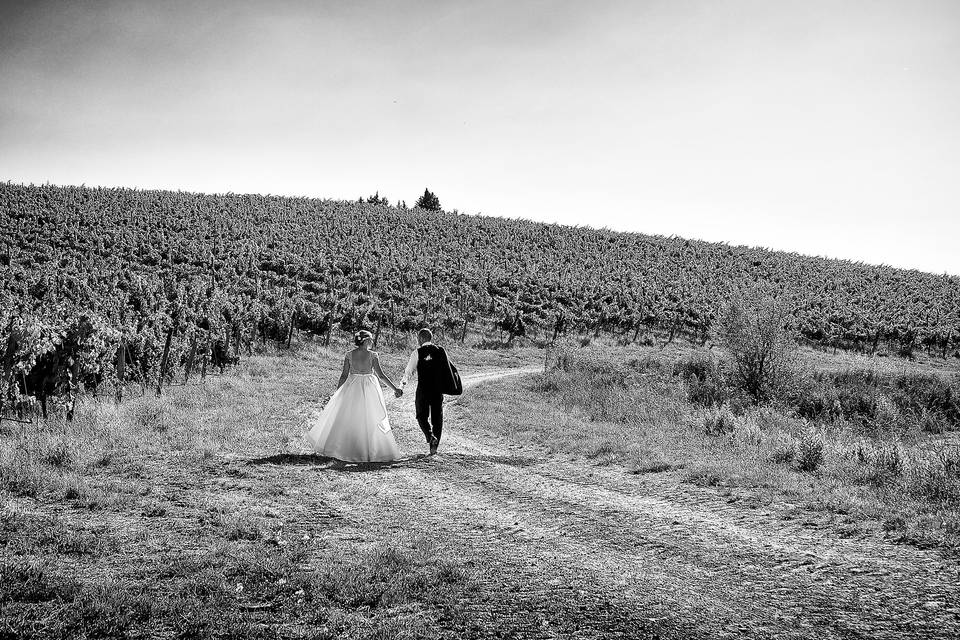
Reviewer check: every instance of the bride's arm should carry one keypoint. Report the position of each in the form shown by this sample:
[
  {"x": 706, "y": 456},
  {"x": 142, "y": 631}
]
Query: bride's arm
[
  {"x": 345, "y": 372},
  {"x": 380, "y": 374}
]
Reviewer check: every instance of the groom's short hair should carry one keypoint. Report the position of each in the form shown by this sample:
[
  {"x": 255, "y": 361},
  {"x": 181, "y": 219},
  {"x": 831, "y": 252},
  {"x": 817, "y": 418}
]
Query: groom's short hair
[{"x": 425, "y": 335}]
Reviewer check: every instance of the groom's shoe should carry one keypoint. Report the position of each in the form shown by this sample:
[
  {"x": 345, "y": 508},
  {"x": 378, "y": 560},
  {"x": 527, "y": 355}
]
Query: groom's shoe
[{"x": 434, "y": 443}]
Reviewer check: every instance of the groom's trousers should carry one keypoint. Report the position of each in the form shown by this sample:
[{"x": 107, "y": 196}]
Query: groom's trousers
[{"x": 429, "y": 414}]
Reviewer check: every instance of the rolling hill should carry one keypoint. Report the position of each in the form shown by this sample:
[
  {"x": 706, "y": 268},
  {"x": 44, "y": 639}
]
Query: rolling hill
[{"x": 107, "y": 280}]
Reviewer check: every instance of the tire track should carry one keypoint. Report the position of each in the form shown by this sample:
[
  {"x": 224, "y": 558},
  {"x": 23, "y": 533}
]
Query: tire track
[{"x": 565, "y": 549}]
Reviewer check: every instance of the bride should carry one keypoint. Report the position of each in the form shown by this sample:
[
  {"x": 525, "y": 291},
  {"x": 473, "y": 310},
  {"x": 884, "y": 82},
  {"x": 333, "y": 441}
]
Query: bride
[{"x": 354, "y": 426}]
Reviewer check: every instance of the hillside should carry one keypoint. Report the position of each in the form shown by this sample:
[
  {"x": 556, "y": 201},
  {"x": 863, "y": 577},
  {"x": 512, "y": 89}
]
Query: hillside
[{"x": 111, "y": 269}]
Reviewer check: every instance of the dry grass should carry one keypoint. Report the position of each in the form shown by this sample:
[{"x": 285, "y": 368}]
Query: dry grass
[
  {"x": 387, "y": 591},
  {"x": 632, "y": 407},
  {"x": 116, "y": 524},
  {"x": 123, "y": 522}
]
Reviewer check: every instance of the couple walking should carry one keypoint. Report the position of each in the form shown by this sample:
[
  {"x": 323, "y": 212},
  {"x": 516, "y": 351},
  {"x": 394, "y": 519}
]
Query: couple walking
[{"x": 354, "y": 425}]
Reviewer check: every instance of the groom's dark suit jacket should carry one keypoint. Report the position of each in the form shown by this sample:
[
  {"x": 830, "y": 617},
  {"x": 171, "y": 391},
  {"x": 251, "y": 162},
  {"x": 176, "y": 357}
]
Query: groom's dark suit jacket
[{"x": 432, "y": 370}]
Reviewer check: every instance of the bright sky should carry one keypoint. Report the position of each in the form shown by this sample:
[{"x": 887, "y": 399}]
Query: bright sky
[{"x": 825, "y": 127}]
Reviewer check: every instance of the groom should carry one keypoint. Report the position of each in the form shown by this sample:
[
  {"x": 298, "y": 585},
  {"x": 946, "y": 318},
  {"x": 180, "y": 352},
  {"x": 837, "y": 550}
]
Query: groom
[{"x": 430, "y": 363}]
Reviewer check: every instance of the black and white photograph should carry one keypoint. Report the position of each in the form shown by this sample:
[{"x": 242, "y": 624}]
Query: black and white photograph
[{"x": 455, "y": 320}]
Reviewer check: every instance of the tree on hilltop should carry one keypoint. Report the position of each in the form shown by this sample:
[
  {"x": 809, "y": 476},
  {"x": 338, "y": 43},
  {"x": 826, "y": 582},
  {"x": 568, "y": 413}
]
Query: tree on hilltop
[
  {"x": 429, "y": 201},
  {"x": 378, "y": 199}
]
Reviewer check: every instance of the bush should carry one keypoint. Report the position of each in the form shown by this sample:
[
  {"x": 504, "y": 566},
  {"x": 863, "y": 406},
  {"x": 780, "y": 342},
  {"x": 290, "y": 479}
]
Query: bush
[
  {"x": 605, "y": 387},
  {"x": 815, "y": 399},
  {"x": 493, "y": 345},
  {"x": 810, "y": 451},
  {"x": 753, "y": 328},
  {"x": 57, "y": 454},
  {"x": 704, "y": 380},
  {"x": 719, "y": 421},
  {"x": 596, "y": 367},
  {"x": 784, "y": 449},
  {"x": 858, "y": 396},
  {"x": 880, "y": 464},
  {"x": 879, "y": 403},
  {"x": 931, "y": 397},
  {"x": 937, "y": 478}
]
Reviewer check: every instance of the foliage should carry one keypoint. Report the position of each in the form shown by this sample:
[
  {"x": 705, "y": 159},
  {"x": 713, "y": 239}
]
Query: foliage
[
  {"x": 754, "y": 331},
  {"x": 810, "y": 451},
  {"x": 705, "y": 380},
  {"x": 428, "y": 201},
  {"x": 719, "y": 421},
  {"x": 220, "y": 274},
  {"x": 880, "y": 402},
  {"x": 378, "y": 200}
]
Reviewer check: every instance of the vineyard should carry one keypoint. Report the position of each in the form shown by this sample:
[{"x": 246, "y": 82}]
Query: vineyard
[{"x": 119, "y": 288}]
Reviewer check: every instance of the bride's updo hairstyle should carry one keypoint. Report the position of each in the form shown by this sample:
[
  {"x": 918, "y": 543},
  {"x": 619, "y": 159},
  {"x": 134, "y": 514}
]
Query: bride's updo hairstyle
[{"x": 360, "y": 336}]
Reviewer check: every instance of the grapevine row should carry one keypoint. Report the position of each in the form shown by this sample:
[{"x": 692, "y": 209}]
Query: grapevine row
[{"x": 96, "y": 283}]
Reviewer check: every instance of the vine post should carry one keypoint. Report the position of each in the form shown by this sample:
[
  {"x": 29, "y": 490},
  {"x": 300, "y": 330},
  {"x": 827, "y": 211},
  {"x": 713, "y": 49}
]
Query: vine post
[
  {"x": 206, "y": 355},
  {"x": 8, "y": 356},
  {"x": 121, "y": 368},
  {"x": 226, "y": 347},
  {"x": 165, "y": 357},
  {"x": 293, "y": 319},
  {"x": 191, "y": 355}
]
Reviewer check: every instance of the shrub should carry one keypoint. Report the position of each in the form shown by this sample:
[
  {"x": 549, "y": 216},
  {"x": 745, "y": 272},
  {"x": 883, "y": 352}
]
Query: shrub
[
  {"x": 57, "y": 454},
  {"x": 705, "y": 476},
  {"x": 594, "y": 367},
  {"x": 881, "y": 464},
  {"x": 815, "y": 399},
  {"x": 747, "y": 432},
  {"x": 783, "y": 450},
  {"x": 753, "y": 328},
  {"x": 704, "y": 380},
  {"x": 546, "y": 383},
  {"x": 887, "y": 418},
  {"x": 645, "y": 364},
  {"x": 931, "y": 399},
  {"x": 937, "y": 478},
  {"x": 879, "y": 403},
  {"x": 810, "y": 451},
  {"x": 593, "y": 381},
  {"x": 719, "y": 421}
]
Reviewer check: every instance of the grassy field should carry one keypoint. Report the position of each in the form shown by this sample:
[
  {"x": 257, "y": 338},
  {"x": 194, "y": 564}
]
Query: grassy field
[
  {"x": 121, "y": 523},
  {"x": 176, "y": 516},
  {"x": 872, "y": 457}
]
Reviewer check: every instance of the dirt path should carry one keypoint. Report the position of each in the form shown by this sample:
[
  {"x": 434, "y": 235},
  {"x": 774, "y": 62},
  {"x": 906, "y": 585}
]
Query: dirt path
[{"x": 571, "y": 550}]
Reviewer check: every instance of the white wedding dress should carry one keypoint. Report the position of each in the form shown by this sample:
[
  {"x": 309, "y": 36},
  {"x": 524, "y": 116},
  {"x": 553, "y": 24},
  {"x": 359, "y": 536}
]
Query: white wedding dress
[{"x": 354, "y": 426}]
